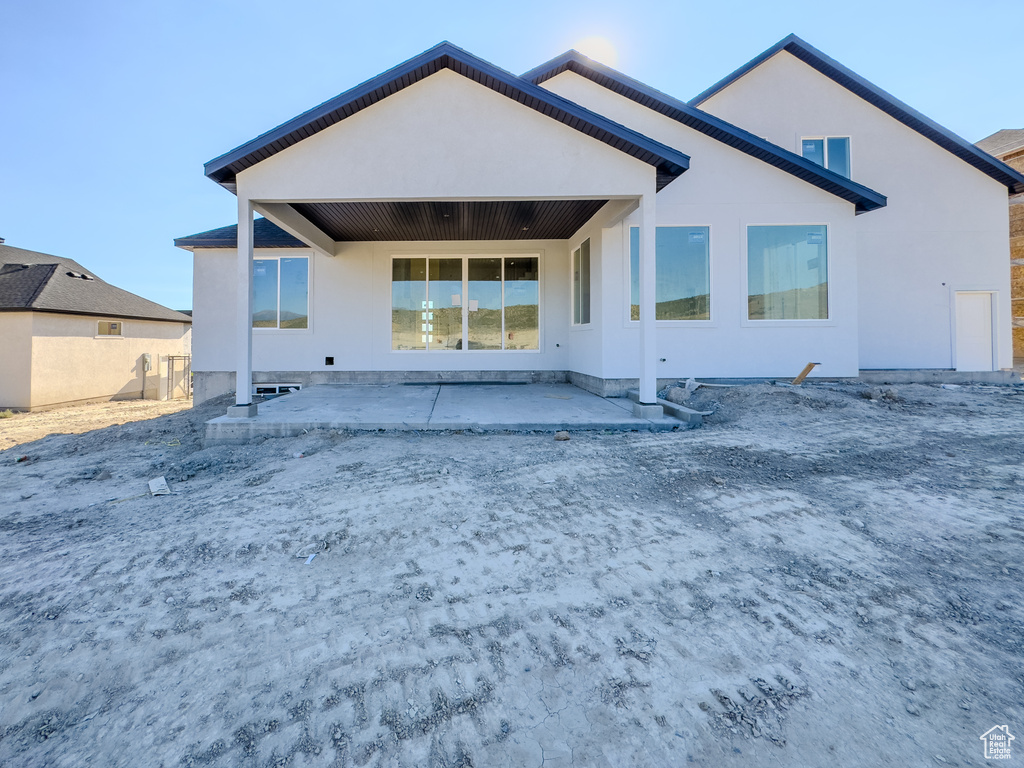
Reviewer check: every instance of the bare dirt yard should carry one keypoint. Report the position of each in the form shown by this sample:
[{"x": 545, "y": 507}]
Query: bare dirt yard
[{"x": 823, "y": 576}]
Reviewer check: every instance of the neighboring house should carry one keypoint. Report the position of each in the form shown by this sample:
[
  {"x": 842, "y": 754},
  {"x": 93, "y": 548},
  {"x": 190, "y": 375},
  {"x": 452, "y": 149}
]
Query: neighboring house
[
  {"x": 1008, "y": 146},
  {"x": 67, "y": 336},
  {"x": 448, "y": 220}
]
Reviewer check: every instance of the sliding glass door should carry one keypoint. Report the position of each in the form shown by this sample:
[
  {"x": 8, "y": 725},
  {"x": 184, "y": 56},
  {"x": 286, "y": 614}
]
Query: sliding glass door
[{"x": 465, "y": 303}]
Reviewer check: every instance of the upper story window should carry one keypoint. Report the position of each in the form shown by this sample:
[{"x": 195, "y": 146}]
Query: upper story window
[
  {"x": 280, "y": 293},
  {"x": 108, "y": 328},
  {"x": 832, "y": 152}
]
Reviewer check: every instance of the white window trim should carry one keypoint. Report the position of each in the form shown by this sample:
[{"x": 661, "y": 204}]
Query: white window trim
[
  {"x": 746, "y": 322},
  {"x": 712, "y": 322},
  {"x": 309, "y": 293},
  {"x": 464, "y": 255},
  {"x": 824, "y": 139},
  {"x": 573, "y": 325}
]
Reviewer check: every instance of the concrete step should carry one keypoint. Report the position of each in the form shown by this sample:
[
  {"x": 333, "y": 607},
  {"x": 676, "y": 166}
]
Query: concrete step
[{"x": 681, "y": 412}]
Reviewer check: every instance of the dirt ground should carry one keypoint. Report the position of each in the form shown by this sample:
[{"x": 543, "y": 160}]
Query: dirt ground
[
  {"x": 828, "y": 576},
  {"x": 27, "y": 427}
]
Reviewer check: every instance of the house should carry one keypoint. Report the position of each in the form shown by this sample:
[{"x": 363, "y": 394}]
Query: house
[
  {"x": 448, "y": 220},
  {"x": 67, "y": 336},
  {"x": 1008, "y": 146}
]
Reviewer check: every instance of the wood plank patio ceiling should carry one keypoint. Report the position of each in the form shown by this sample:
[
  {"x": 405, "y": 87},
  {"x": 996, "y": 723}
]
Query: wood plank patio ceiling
[{"x": 460, "y": 220}]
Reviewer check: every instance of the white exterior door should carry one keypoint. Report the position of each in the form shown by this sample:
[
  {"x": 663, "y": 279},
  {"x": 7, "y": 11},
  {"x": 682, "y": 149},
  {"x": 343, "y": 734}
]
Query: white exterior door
[{"x": 974, "y": 331}]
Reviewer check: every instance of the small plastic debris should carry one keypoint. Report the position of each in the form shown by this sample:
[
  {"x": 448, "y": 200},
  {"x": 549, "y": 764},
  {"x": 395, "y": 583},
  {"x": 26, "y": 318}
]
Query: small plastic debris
[
  {"x": 951, "y": 386},
  {"x": 298, "y": 456},
  {"x": 104, "y": 475},
  {"x": 158, "y": 486},
  {"x": 561, "y": 435},
  {"x": 21, "y": 459},
  {"x": 310, "y": 558}
]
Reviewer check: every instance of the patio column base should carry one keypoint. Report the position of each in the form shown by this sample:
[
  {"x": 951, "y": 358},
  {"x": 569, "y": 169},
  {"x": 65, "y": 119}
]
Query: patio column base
[
  {"x": 246, "y": 411},
  {"x": 645, "y": 411}
]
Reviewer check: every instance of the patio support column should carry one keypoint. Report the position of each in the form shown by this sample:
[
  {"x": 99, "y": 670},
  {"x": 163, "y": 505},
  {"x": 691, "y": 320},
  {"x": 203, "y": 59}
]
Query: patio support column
[
  {"x": 648, "y": 340},
  {"x": 244, "y": 406}
]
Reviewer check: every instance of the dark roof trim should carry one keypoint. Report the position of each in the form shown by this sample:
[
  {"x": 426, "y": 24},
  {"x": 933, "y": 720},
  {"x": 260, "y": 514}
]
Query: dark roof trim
[
  {"x": 884, "y": 101},
  {"x": 862, "y": 197},
  {"x": 670, "y": 163},
  {"x": 266, "y": 234},
  {"x": 186, "y": 319}
]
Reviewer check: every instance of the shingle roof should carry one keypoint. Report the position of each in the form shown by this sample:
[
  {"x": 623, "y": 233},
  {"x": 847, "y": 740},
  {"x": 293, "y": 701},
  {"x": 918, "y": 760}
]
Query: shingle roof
[
  {"x": 1002, "y": 142},
  {"x": 862, "y": 197},
  {"x": 39, "y": 282},
  {"x": 668, "y": 162},
  {"x": 266, "y": 234},
  {"x": 884, "y": 101}
]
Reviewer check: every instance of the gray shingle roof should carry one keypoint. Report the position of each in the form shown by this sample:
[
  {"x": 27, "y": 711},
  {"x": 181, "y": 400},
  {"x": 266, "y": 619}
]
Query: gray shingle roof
[
  {"x": 1002, "y": 142},
  {"x": 266, "y": 234},
  {"x": 41, "y": 282}
]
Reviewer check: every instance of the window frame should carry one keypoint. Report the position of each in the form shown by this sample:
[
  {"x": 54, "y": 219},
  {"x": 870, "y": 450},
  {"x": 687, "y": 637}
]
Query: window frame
[
  {"x": 118, "y": 335},
  {"x": 746, "y": 322},
  {"x": 576, "y": 296},
  {"x": 712, "y": 318},
  {"x": 824, "y": 149},
  {"x": 464, "y": 257},
  {"x": 309, "y": 292}
]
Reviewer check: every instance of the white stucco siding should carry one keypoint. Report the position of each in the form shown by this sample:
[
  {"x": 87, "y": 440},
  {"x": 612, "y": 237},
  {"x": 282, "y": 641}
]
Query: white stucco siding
[
  {"x": 726, "y": 190},
  {"x": 71, "y": 363},
  {"x": 16, "y": 357},
  {"x": 213, "y": 309},
  {"x": 350, "y": 312},
  {"x": 445, "y": 137},
  {"x": 945, "y": 227}
]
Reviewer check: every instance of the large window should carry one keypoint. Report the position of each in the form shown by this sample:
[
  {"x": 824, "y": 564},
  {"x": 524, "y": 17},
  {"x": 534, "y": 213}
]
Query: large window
[
  {"x": 787, "y": 272},
  {"x": 683, "y": 273},
  {"x": 472, "y": 302},
  {"x": 832, "y": 152},
  {"x": 581, "y": 284},
  {"x": 280, "y": 293}
]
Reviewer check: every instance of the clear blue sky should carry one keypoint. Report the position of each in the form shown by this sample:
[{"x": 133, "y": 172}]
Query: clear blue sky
[{"x": 108, "y": 110}]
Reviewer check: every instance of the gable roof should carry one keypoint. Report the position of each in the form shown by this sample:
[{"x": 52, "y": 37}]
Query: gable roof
[
  {"x": 266, "y": 234},
  {"x": 39, "y": 282},
  {"x": 862, "y": 197},
  {"x": 669, "y": 163},
  {"x": 884, "y": 101}
]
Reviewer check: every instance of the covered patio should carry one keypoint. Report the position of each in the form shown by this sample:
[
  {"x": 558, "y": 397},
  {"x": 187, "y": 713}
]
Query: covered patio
[{"x": 437, "y": 407}]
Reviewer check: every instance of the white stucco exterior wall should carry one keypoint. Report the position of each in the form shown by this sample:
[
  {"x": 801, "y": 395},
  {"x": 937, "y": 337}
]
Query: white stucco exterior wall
[
  {"x": 726, "y": 191},
  {"x": 945, "y": 227},
  {"x": 16, "y": 357},
  {"x": 445, "y": 137}
]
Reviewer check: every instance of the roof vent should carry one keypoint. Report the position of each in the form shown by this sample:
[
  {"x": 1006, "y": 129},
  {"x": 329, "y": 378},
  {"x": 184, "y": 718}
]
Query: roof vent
[
  {"x": 2, "y": 241},
  {"x": 79, "y": 275}
]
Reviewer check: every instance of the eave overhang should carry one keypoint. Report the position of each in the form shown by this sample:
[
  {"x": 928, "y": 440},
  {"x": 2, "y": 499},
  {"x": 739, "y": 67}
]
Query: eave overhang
[
  {"x": 863, "y": 198},
  {"x": 668, "y": 162}
]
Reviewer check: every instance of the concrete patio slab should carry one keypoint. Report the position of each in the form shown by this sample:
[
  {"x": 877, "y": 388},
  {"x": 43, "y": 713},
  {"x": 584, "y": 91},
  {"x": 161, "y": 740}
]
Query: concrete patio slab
[{"x": 489, "y": 407}]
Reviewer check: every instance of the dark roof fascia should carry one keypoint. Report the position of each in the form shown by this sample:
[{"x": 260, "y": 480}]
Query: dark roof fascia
[
  {"x": 669, "y": 162},
  {"x": 863, "y": 198},
  {"x": 185, "y": 319},
  {"x": 883, "y": 100},
  {"x": 266, "y": 234}
]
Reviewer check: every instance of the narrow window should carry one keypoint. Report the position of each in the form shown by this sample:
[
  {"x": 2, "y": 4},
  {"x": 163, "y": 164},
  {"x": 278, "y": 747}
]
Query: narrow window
[
  {"x": 832, "y": 152},
  {"x": 522, "y": 298},
  {"x": 107, "y": 328},
  {"x": 280, "y": 293},
  {"x": 682, "y": 273},
  {"x": 581, "y": 284},
  {"x": 787, "y": 272}
]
